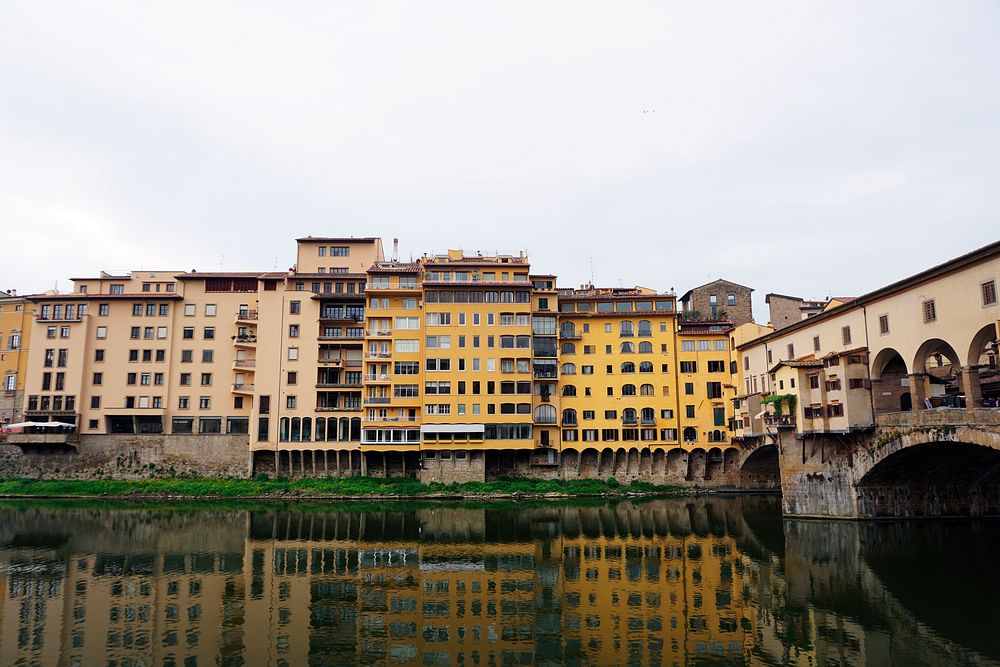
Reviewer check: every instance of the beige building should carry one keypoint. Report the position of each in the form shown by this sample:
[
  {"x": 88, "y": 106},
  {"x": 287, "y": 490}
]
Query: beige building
[
  {"x": 925, "y": 341},
  {"x": 15, "y": 334}
]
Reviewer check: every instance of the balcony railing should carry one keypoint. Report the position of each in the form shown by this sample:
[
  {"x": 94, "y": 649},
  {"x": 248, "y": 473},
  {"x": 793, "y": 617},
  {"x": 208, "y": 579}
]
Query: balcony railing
[
  {"x": 245, "y": 340},
  {"x": 378, "y": 400},
  {"x": 626, "y": 421},
  {"x": 648, "y": 421},
  {"x": 377, "y": 378},
  {"x": 245, "y": 363},
  {"x": 41, "y": 318},
  {"x": 378, "y": 332},
  {"x": 783, "y": 421},
  {"x": 338, "y": 385},
  {"x": 395, "y": 420},
  {"x": 338, "y": 408},
  {"x": 243, "y": 387},
  {"x": 248, "y": 315},
  {"x": 378, "y": 355},
  {"x": 325, "y": 337}
]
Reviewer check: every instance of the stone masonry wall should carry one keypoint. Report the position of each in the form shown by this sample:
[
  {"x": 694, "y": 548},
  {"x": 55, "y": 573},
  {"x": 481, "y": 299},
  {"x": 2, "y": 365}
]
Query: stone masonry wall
[
  {"x": 133, "y": 457},
  {"x": 783, "y": 310},
  {"x": 741, "y": 313}
]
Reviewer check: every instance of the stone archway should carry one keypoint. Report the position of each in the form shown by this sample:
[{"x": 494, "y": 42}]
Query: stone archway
[
  {"x": 761, "y": 470},
  {"x": 932, "y": 479},
  {"x": 890, "y": 382}
]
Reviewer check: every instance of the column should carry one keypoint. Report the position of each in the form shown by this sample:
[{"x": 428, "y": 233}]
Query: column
[
  {"x": 918, "y": 390},
  {"x": 972, "y": 386}
]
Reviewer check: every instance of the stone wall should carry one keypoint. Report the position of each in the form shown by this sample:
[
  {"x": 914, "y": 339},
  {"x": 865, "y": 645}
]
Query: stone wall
[
  {"x": 446, "y": 471},
  {"x": 11, "y": 407},
  {"x": 132, "y": 457},
  {"x": 741, "y": 313},
  {"x": 783, "y": 310}
]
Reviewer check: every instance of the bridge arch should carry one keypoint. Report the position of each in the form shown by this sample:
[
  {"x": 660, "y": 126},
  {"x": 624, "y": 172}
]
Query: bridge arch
[
  {"x": 951, "y": 471},
  {"x": 761, "y": 469},
  {"x": 890, "y": 382},
  {"x": 984, "y": 343}
]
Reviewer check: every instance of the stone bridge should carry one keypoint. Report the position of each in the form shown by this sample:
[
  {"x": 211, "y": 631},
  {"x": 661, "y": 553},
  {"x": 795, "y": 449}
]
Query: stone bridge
[{"x": 943, "y": 462}]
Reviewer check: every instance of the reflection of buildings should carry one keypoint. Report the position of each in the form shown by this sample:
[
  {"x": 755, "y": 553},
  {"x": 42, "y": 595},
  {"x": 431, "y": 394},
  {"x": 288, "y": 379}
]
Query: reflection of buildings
[{"x": 668, "y": 582}]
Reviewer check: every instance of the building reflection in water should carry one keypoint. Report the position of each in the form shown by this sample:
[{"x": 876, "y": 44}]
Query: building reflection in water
[{"x": 666, "y": 582}]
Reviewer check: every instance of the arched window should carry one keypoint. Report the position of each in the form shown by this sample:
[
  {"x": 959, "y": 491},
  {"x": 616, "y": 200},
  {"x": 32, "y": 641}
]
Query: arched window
[
  {"x": 690, "y": 434},
  {"x": 320, "y": 429},
  {"x": 648, "y": 416},
  {"x": 628, "y": 367},
  {"x": 569, "y": 417},
  {"x": 331, "y": 429},
  {"x": 628, "y": 416},
  {"x": 296, "y": 429},
  {"x": 567, "y": 348},
  {"x": 645, "y": 347},
  {"x": 283, "y": 429},
  {"x": 545, "y": 414},
  {"x": 344, "y": 430},
  {"x": 645, "y": 366},
  {"x": 628, "y": 390},
  {"x": 646, "y": 390},
  {"x": 569, "y": 369},
  {"x": 355, "y": 428},
  {"x": 645, "y": 329},
  {"x": 716, "y": 436},
  {"x": 307, "y": 428},
  {"x": 567, "y": 330},
  {"x": 628, "y": 347},
  {"x": 569, "y": 390},
  {"x": 626, "y": 329}
]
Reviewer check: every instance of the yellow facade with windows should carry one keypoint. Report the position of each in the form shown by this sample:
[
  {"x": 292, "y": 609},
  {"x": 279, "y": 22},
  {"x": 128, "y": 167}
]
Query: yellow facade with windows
[{"x": 15, "y": 334}]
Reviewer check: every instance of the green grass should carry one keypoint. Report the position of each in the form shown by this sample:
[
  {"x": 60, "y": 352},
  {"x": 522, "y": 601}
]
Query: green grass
[{"x": 361, "y": 487}]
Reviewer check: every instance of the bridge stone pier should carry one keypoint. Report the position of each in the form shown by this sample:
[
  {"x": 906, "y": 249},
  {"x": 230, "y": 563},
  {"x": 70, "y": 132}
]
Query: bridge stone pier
[{"x": 943, "y": 462}]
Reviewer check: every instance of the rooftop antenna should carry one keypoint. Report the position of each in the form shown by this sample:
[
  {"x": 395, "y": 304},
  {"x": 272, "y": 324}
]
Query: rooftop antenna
[
  {"x": 275, "y": 262},
  {"x": 222, "y": 259},
  {"x": 591, "y": 261}
]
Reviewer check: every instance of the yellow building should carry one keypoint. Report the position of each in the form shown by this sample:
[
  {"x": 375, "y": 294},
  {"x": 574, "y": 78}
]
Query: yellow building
[{"x": 15, "y": 334}]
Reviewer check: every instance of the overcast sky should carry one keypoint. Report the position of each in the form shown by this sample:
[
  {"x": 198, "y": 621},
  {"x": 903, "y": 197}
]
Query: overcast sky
[{"x": 810, "y": 148}]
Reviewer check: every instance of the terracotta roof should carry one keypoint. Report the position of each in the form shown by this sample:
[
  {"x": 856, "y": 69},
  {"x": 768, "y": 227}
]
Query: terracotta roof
[
  {"x": 408, "y": 267},
  {"x": 853, "y": 350},
  {"x": 274, "y": 275},
  {"x": 798, "y": 363}
]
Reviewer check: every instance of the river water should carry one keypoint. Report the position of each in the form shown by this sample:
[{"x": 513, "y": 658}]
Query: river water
[{"x": 720, "y": 581}]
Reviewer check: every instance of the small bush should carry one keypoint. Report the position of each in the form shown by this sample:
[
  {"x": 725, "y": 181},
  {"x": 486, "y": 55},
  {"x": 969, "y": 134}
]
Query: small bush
[{"x": 612, "y": 482}]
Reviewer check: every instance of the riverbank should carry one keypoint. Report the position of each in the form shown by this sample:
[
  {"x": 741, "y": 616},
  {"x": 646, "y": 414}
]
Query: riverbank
[{"x": 361, "y": 488}]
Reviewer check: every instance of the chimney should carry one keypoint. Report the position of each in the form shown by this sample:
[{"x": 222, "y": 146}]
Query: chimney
[{"x": 395, "y": 249}]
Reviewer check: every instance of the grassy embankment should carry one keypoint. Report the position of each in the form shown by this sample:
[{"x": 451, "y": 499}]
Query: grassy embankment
[{"x": 352, "y": 487}]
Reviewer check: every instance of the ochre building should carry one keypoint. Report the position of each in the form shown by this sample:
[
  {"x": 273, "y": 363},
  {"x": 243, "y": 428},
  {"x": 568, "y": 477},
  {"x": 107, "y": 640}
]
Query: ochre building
[{"x": 451, "y": 367}]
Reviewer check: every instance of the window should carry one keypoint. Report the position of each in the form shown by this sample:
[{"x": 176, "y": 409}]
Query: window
[
  {"x": 206, "y": 379},
  {"x": 730, "y": 299},
  {"x": 845, "y": 335},
  {"x": 293, "y": 354},
  {"x": 716, "y": 367},
  {"x": 205, "y": 402},
  {"x": 689, "y": 367},
  {"x": 687, "y": 346},
  {"x": 103, "y": 309},
  {"x": 689, "y": 388},
  {"x": 714, "y": 389},
  {"x": 929, "y": 310},
  {"x": 791, "y": 351},
  {"x": 291, "y": 401},
  {"x": 293, "y": 330},
  {"x": 207, "y": 356},
  {"x": 989, "y": 290},
  {"x": 883, "y": 324},
  {"x": 209, "y": 333}
]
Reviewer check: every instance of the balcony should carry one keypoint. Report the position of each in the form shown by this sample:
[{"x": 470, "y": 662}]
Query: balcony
[
  {"x": 379, "y": 379},
  {"x": 246, "y": 316},
  {"x": 404, "y": 286},
  {"x": 779, "y": 421},
  {"x": 243, "y": 388},
  {"x": 341, "y": 316},
  {"x": 338, "y": 385},
  {"x": 378, "y": 400},
  {"x": 338, "y": 408},
  {"x": 394, "y": 420},
  {"x": 29, "y": 439},
  {"x": 630, "y": 421},
  {"x": 245, "y": 363},
  {"x": 351, "y": 337},
  {"x": 379, "y": 332},
  {"x": 571, "y": 423},
  {"x": 248, "y": 340},
  {"x": 648, "y": 421},
  {"x": 378, "y": 355},
  {"x": 61, "y": 318}
]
